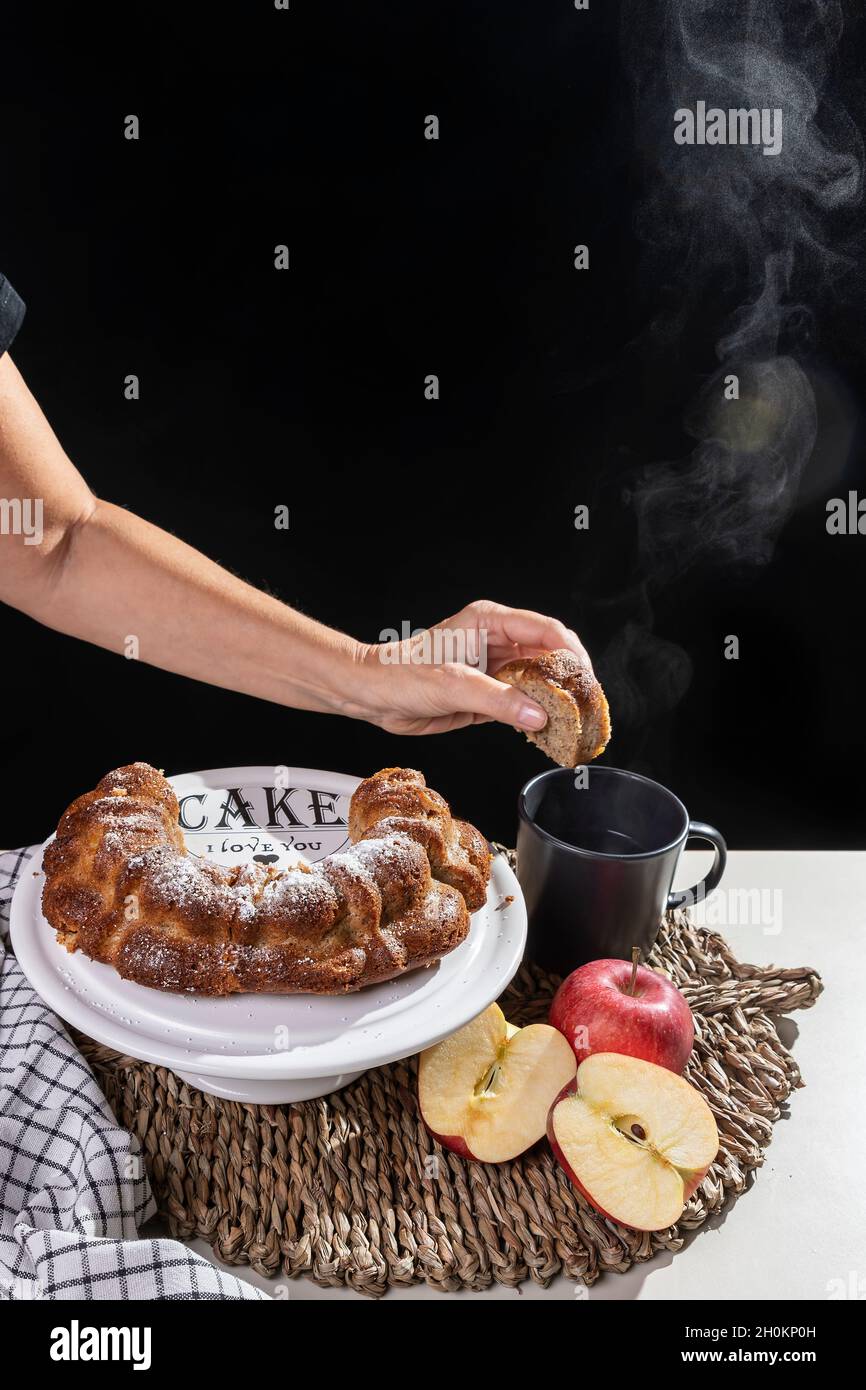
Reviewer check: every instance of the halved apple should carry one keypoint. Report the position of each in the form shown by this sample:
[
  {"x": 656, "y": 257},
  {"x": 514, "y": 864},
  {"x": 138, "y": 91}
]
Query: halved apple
[
  {"x": 485, "y": 1092},
  {"x": 634, "y": 1138}
]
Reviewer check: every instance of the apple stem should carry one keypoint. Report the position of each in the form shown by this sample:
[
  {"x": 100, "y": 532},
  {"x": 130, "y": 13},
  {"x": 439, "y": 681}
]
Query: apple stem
[{"x": 635, "y": 962}]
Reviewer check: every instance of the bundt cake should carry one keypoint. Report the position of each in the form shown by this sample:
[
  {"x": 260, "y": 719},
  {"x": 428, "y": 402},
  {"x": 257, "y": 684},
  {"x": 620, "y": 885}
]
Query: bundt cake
[
  {"x": 578, "y": 719},
  {"x": 121, "y": 887}
]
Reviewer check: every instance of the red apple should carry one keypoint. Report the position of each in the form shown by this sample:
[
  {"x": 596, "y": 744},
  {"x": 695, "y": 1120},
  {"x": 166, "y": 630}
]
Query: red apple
[
  {"x": 485, "y": 1092},
  {"x": 615, "y": 1006},
  {"x": 634, "y": 1138}
]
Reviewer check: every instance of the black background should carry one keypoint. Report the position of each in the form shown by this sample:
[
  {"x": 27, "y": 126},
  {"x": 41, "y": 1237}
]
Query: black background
[{"x": 408, "y": 256}]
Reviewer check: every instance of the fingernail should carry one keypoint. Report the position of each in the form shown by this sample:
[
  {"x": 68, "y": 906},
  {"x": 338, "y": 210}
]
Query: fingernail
[{"x": 531, "y": 717}]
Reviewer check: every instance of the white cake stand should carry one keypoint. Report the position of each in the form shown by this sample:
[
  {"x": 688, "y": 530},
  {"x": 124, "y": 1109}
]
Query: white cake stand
[{"x": 262, "y": 1048}]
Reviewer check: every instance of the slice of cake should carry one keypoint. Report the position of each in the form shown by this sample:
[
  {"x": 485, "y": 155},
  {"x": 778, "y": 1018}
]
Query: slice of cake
[{"x": 578, "y": 719}]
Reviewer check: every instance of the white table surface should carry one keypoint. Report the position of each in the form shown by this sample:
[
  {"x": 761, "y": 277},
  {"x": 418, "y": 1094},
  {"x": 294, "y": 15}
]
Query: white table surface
[{"x": 802, "y": 1223}]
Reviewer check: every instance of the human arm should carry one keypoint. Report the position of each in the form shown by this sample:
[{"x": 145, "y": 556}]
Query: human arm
[{"x": 101, "y": 573}]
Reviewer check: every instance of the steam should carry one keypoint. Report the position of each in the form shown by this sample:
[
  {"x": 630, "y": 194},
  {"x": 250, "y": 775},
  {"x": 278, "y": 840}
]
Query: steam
[
  {"x": 727, "y": 224},
  {"x": 740, "y": 483}
]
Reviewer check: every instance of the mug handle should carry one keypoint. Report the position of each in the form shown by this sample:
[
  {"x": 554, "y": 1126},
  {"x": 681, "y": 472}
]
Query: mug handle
[{"x": 699, "y": 830}]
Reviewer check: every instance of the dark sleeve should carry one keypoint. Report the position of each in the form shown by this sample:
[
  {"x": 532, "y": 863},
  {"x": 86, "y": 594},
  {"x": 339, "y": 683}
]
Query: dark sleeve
[{"x": 11, "y": 314}]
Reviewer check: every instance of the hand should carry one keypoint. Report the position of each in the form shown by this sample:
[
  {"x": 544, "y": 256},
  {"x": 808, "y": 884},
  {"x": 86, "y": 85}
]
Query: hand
[
  {"x": 99, "y": 572},
  {"x": 424, "y": 685}
]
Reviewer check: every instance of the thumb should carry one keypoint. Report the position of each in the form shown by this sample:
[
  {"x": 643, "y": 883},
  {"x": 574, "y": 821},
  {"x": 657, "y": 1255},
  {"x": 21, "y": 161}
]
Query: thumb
[{"x": 480, "y": 694}]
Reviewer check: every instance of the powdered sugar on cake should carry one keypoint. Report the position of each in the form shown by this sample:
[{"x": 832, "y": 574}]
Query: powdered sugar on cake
[{"x": 121, "y": 886}]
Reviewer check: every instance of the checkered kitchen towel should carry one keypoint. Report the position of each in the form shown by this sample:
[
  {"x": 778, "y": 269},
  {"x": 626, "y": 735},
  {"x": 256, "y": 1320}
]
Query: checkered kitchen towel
[{"x": 73, "y": 1189}]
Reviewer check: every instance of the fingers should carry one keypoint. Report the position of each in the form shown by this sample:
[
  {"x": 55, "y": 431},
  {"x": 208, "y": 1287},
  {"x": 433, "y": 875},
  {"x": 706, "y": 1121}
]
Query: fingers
[
  {"x": 478, "y": 694},
  {"x": 450, "y": 694},
  {"x": 439, "y": 724},
  {"x": 524, "y": 630}
]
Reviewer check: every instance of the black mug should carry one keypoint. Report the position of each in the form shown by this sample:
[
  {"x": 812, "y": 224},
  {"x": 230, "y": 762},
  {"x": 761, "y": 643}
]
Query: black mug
[{"x": 596, "y": 863}]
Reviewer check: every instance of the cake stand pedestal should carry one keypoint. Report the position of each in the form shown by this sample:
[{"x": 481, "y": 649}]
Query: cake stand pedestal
[{"x": 268, "y": 1092}]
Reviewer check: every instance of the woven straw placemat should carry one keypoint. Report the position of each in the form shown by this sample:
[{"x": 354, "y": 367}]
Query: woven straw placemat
[{"x": 350, "y": 1188}]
